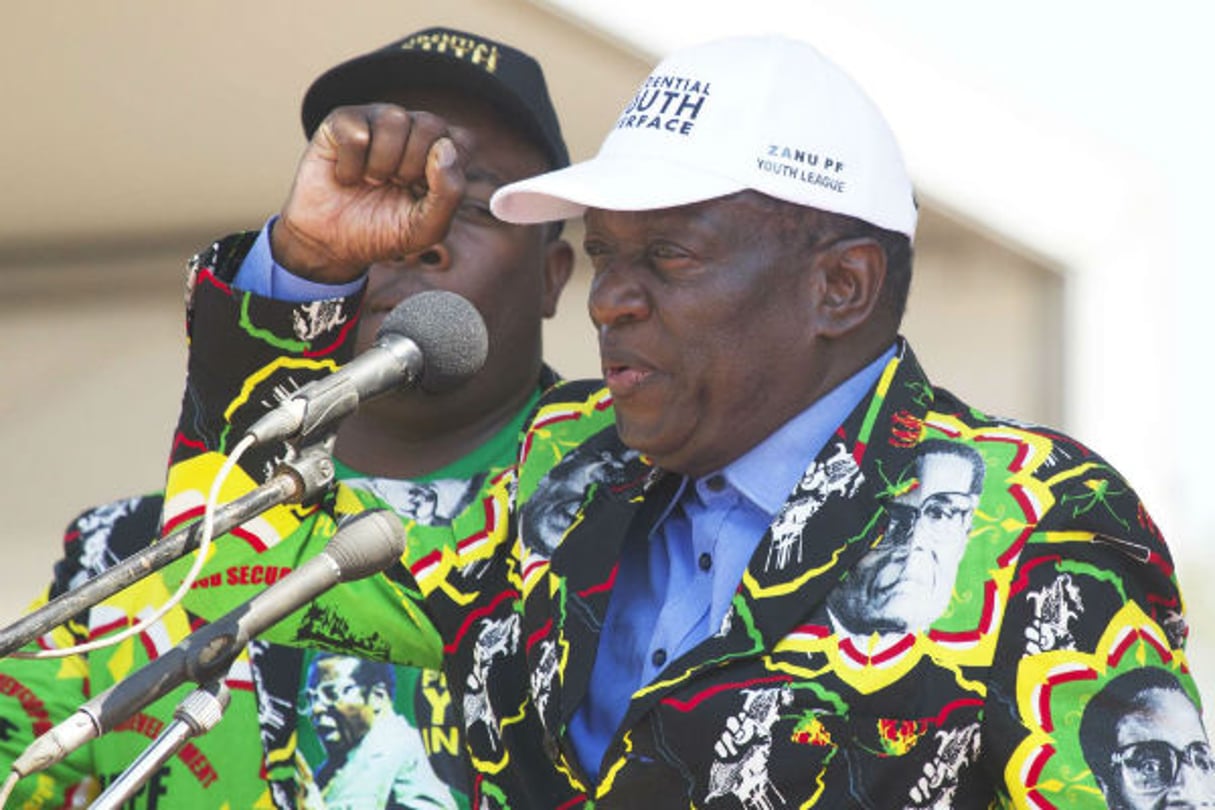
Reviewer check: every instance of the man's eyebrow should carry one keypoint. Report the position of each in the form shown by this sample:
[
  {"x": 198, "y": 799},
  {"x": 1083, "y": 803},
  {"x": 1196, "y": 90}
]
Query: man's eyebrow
[{"x": 476, "y": 174}]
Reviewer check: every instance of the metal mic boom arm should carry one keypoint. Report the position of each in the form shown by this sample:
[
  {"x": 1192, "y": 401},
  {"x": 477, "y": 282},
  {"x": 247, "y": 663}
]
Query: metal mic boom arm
[
  {"x": 294, "y": 482},
  {"x": 365, "y": 544}
]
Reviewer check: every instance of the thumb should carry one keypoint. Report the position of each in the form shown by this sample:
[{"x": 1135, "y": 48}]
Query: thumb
[{"x": 432, "y": 215}]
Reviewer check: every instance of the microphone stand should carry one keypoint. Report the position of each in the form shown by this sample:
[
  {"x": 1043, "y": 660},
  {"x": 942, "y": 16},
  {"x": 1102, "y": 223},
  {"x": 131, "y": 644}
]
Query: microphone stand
[
  {"x": 306, "y": 474},
  {"x": 198, "y": 713}
]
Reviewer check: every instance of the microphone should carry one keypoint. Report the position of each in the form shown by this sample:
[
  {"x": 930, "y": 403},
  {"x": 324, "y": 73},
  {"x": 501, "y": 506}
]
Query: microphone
[
  {"x": 435, "y": 339},
  {"x": 364, "y": 545}
]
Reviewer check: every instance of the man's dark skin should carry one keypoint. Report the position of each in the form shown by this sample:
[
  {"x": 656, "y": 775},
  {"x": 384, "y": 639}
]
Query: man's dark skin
[
  {"x": 513, "y": 274},
  {"x": 717, "y": 322}
]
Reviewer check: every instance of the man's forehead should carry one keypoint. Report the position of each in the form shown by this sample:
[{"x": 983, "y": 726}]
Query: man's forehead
[
  {"x": 335, "y": 666},
  {"x": 940, "y": 471},
  {"x": 1162, "y": 714},
  {"x": 731, "y": 205},
  {"x": 744, "y": 200}
]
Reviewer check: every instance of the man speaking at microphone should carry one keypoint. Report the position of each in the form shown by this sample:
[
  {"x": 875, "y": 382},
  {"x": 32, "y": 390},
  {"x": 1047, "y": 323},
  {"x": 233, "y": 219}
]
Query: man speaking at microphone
[
  {"x": 425, "y": 457},
  {"x": 764, "y": 435}
]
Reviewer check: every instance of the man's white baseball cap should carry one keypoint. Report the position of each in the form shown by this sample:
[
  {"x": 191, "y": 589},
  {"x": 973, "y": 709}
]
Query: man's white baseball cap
[{"x": 767, "y": 113}]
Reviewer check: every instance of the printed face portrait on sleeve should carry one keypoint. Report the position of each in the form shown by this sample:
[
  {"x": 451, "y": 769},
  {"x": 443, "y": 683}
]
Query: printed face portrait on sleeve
[
  {"x": 1144, "y": 741},
  {"x": 344, "y": 702}
]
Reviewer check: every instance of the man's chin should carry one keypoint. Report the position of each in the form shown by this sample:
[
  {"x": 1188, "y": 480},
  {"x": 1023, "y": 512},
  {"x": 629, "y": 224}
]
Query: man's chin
[{"x": 895, "y": 611}]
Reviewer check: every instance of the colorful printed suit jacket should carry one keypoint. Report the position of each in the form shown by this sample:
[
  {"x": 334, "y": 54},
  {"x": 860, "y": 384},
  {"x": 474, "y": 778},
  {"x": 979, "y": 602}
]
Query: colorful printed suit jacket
[
  {"x": 1061, "y": 584},
  {"x": 252, "y": 759},
  {"x": 37, "y": 694}
]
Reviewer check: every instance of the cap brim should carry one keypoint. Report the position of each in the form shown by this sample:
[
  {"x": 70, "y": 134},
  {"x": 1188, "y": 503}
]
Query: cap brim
[{"x": 621, "y": 183}]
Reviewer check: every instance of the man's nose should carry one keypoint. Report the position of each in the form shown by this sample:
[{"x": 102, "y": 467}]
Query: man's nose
[
  {"x": 617, "y": 296},
  {"x": 384, "y": 275}
]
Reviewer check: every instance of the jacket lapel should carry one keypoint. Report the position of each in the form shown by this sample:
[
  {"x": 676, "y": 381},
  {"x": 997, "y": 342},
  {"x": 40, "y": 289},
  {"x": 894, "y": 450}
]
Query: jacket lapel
[
  {"x": 582, "y": 574},
  {"x": 833, "y": 516},
  {"x": 836, "y": 513}
]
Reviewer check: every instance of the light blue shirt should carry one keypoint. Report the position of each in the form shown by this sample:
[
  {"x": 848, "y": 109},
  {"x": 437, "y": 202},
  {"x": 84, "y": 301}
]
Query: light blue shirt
[
  {"x": 673, "y": 591},
  {"x": 261, "y": 275}
]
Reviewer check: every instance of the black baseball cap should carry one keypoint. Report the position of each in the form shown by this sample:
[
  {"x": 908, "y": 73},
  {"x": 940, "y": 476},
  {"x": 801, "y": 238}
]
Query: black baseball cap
[{"x": 505, "y": 77}]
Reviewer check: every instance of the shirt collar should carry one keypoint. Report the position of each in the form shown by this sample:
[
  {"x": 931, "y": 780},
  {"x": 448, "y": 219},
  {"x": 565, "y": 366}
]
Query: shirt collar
[{"x": 767, "y": 473}]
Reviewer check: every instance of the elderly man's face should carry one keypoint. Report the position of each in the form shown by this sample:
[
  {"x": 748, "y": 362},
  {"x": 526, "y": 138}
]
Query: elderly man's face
[
  {"x": 1161, "y": 758},
  {"x": 906, "y": 581},
  {"x": 421, "y": 502},
  {"x": 339, "y": 708},
  {"x": 705, "y": 328}
]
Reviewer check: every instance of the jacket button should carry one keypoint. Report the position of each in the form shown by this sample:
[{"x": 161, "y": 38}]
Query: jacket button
[{"x": 659, "y": 657}]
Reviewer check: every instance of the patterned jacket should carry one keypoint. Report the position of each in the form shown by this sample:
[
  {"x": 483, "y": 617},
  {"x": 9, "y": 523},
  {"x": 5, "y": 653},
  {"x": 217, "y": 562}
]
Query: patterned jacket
[
  {"x": 894, "y": 642},
  {"x": 254, "y": 758},
  {"x": 37, "y": 694}
]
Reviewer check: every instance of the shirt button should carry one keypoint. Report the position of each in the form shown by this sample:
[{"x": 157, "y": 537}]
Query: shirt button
[
  {"x": 716, "y": 483},
  {"x": 658, "y": 658},
  {"x": 705, "y": 562}
]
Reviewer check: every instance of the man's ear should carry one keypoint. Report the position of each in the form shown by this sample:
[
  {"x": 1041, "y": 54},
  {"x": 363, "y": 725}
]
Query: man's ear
[
  {"x": 851, "y": 274},
  {"x": 558, "y": 264}
]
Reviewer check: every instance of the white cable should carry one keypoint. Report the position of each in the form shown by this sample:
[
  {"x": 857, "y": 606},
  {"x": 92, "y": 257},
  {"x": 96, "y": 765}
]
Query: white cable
[
  {"x": 7, "y": 790},
  {"x": 204, "y": 545}
]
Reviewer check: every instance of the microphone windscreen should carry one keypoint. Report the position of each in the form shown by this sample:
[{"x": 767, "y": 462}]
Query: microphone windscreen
[{"x": 449, "y": 331}]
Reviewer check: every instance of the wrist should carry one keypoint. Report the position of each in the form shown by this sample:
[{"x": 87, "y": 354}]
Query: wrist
[{"x": 308, "y": 258}]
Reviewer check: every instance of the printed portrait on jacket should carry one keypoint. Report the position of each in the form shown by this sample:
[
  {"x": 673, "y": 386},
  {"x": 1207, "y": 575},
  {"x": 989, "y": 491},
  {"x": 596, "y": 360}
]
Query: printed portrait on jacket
[
  {"x": 1143, "y": 739},
  {"x": 548, "y": 514},
  {"x": 371, "y": 755},
  {"x": 905, "y": 582}
]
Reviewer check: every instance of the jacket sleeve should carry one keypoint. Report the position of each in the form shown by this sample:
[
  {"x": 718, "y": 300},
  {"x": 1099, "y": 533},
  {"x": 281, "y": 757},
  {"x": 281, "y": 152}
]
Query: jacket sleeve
[
  {"x": 247, "y": 353},
  {"x": 1093, "y": 631}
]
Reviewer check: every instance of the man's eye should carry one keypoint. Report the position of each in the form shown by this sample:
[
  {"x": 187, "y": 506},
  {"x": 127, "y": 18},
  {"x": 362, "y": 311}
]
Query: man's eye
[
  {"x": 476, "y": 211},
  {"x": 674, "y": 262},
  {"x": 592, "y": 247},
  {"x": 667, "y": 252}
]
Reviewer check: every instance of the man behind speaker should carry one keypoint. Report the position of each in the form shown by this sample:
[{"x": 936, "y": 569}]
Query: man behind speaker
[{"x": 425, "y": 457}]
